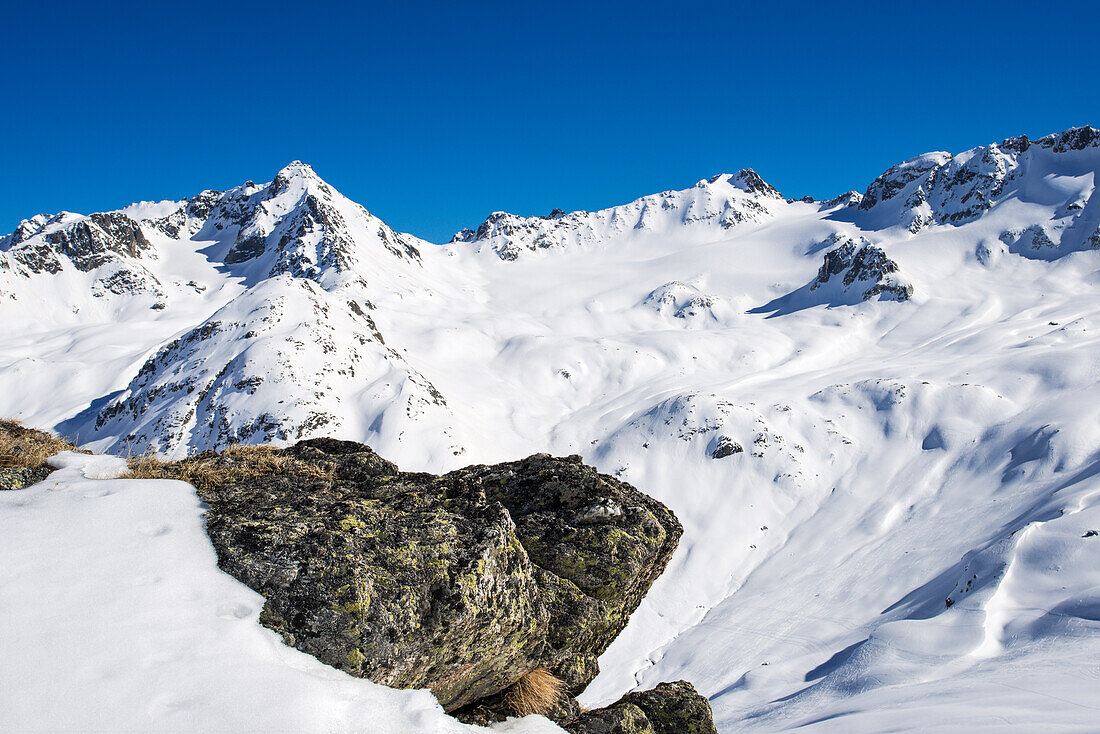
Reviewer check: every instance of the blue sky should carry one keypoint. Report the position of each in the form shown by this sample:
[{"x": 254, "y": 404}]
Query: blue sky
[{"x": 433, "y": 115}]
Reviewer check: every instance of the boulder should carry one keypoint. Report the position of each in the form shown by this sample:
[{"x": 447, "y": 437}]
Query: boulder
[
  {"x": 670, "y": 708},
  {"x": 461, "y": 583}
]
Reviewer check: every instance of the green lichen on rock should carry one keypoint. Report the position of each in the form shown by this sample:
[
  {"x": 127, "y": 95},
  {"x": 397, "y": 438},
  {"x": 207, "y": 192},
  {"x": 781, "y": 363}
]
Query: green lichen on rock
[
  {"x": 670, "y": 708},
  {"x": 21, "y": 477},
  {"x": 598, "y": 543},
  {"x": 382, "y": 574},
  {"x": 462, "y": 583}
]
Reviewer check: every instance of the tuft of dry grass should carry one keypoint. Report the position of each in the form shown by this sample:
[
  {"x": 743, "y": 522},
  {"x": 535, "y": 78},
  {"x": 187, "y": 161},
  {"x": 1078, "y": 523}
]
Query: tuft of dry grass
[
  {"x": 237, "y": 463},
  {"x": 538, "y": 692},
  {"x": 27, "y": 448}
]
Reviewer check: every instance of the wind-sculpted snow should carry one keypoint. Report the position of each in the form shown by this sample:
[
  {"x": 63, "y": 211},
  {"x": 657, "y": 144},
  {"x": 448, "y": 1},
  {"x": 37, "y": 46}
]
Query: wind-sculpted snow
[{"x": 876, "y": 415}]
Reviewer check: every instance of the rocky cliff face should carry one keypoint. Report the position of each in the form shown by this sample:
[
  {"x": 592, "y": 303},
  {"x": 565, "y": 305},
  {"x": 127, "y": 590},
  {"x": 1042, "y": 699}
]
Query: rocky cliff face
[
  {"x": 111, "y": 248},
  {"x": 860, "y": 267}
]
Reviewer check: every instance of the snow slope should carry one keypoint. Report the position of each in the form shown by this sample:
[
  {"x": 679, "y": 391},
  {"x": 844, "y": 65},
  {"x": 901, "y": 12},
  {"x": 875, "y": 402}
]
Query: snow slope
[{"x": 877, "y": 416}]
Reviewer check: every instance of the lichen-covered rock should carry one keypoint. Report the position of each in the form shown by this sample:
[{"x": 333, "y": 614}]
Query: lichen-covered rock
[
  {"x": 670, "y": 708},
  {"x": 21, "y": 477},
  {"x": 461, "y": 583},
  {"x": 597, "y": 544}
]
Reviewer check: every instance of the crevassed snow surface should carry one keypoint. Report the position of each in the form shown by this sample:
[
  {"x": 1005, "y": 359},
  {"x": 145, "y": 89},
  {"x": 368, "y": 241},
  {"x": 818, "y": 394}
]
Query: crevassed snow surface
[
  {"x": 902, "y": 542},
  {"x": 116, "y": 618}
]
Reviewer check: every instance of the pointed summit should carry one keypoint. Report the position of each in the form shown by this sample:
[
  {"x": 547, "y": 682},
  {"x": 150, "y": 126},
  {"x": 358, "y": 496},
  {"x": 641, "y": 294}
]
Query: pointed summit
[
  {"x": 294, "y": 171},
  {"x": 747, "y": 180},
  {"x": 750, "y": 181}
]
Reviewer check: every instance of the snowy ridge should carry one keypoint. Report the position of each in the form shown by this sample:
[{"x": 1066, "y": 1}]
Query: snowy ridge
[
  {"x": 275, "y": 364},
  {"x": 939, "y": 188},
  {"x": 876, "y": 416},
  {"x": 106, "y": 253},
  {"x": 720, "y": 202}
]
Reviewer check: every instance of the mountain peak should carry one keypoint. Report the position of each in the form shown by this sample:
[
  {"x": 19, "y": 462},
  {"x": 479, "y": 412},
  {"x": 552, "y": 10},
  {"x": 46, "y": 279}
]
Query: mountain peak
[
  {"x": 750, "y": 181},
  {"x": 297, "y": 168},
  {"x": 747, "y": 180},
  {"x": 295, "y": 171}
]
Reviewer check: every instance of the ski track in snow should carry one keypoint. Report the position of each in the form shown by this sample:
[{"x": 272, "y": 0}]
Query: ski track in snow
[{"x": 902, "y": 542}]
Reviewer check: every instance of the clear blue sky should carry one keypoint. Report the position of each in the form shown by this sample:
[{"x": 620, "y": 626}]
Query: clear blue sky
[{"x": 433, "y": 115}]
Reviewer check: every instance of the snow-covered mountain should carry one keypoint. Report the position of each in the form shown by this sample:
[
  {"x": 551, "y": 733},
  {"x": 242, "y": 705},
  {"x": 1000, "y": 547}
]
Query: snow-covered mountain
[
  {"x": 939, "y": 188},
  {"x": 877, "y": 416},
  {"x": 716, "y": 204}
]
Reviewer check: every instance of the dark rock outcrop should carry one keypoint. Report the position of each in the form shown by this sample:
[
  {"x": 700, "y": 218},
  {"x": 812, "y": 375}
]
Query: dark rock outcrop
[
  {"x": 91, "y": 241},
  {"x": 725, "y": 446},
  {"x": 461, "y": 583},
  {"x": 21, "y": 477},
  {"x": 670, "y": 708},
  {"x": 940, "y": 188},
  {"x": 864, "y": 266},
  {"x": 750, "y": 181},
  {"x": 852, "y": 271}
]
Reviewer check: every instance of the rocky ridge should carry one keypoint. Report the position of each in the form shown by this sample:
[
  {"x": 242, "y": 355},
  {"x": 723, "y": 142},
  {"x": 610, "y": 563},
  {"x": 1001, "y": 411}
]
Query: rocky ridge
[
  {"x": 254, "y": 240},
  {"x": 111, "y": 247},
  {"x": 940, "y": 188}
]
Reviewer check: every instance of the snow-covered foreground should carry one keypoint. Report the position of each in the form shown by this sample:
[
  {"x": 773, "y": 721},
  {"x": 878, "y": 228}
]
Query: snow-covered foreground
[
  {"x": 116, "y": 618},
  {"x": 878, "y": 418}
]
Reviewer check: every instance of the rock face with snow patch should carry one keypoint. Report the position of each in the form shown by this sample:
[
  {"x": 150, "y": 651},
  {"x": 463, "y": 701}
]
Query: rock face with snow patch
[
  {"x": 273, "y": 365},
  {"x": 940, "y": 188},
  {"x": 862, "y": 268},
  {"x": 461, "y": 583},
  {"x": 110, "y": 247}
]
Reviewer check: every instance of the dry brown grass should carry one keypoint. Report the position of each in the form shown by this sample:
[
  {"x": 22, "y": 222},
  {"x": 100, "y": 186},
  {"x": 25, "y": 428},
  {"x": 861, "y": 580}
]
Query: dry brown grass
[
  {"x": 538, "y": 692},
  {"x": 27, "y": 447},
  {"x": 235, "y": 464}
]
